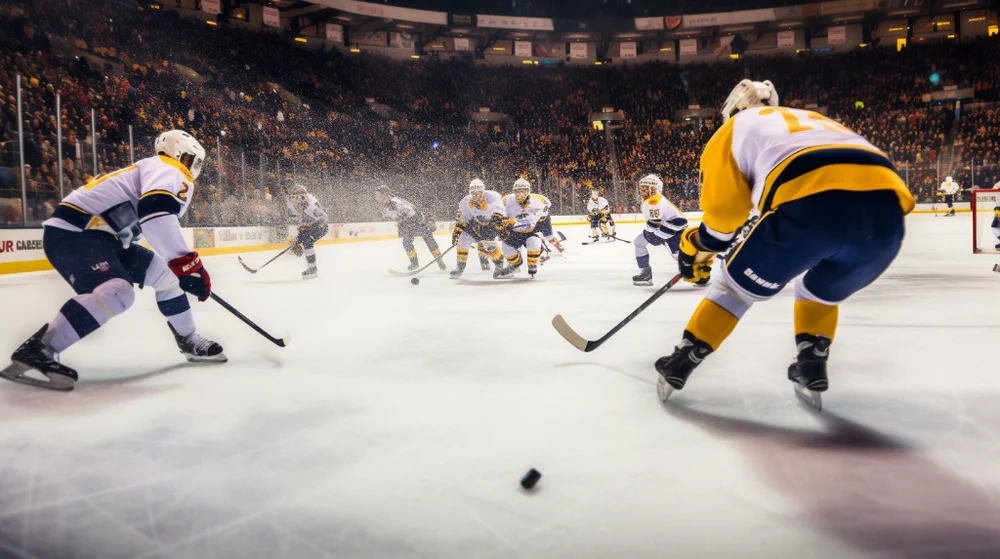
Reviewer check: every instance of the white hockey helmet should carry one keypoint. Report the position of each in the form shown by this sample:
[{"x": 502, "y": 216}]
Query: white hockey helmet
[
  {"x": 748, "y": 94},
  {"x": 178, "y": 143},
  {"x": 947, "y": 179},
  {"x": 476, "y": 185},
  {"x": 595, "y": 192},
  {"x": 522, "y": 184},
  {"x": 652, "y": 181}
]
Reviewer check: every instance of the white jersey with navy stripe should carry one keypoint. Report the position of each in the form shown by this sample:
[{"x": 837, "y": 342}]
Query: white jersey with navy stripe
[
  {"x": 662, "y": 217},
  {"x": 598, "y": 204},
  {"x": 398, "y": 209},
  {"x": 131, "y": 203},
  {"x": 306, "y": 210},
  {"x": 527, "y": 215}
]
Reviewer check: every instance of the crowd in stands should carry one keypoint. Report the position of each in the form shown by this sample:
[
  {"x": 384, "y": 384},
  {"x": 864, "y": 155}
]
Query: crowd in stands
[{"x": 270, "y": 113}]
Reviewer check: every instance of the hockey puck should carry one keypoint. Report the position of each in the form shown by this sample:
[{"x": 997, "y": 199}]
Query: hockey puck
[
  {"x": 530, "y": 479},
  {"x": 415, "y": 281}
]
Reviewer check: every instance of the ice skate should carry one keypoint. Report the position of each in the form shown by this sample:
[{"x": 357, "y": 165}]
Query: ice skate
[
  {"x": 35, "y": 355},
  {"x": 675, "y": 368},
  {"x": 644, "y": 278},
  {"x": 458, "y": 271},
  {"x": 198, "y": 349},
  {"x": 310, "y": 273},
  {"x": 414, "y": 265},
  {"x": 507, "y": 272},
  {"x": 808, "y": 373}
]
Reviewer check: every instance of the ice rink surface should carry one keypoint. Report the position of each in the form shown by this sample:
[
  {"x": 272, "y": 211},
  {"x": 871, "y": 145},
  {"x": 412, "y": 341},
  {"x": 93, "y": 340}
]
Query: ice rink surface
[{"x": 401, "y": 418}]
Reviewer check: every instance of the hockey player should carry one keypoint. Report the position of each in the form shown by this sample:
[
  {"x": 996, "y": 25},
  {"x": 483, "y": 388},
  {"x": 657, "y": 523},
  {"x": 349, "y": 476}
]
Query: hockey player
[
  {"x": 995, "y": 224},
  {"x": 544, "y": 228},
  {"x": 523, "y": 210},
  {"x": 600, "y": 215},
  {"x": 92, "y": 241},
  {"x": 831, "y": 207},
  {"x": 664, "y": 222},
  {"x": 410, "y": 223},
  {"x": 948, "y": 190},
  {"x": 480, "y": 219},
  {"x": 306, "y": 212}
]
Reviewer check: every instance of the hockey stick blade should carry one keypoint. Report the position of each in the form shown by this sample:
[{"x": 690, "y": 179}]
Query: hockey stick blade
[
  {"x": 581, "y": 343},
  {"x": 428, "y": 265},
  {"x": 245, "y": 267},
  {"x": 252, "y": 271},
  {"x": 276, "y": 341}
]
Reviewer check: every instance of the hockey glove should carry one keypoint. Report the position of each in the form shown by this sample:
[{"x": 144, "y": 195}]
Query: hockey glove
[
  {"x": 694, "y": 265},
  {"x": 297, "y": 248},
  {"x": 193, "y": 276}
]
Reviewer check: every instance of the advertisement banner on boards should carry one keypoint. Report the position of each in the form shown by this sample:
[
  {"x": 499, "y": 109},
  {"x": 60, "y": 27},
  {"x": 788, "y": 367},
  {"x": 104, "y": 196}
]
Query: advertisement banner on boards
[
  {"x": 627, "y": 50},
  {"x": 578, "y": 50},
  {"x": 648, "y": 23},
  {"x": 522, "y": 48},
  {"x": 689, "y": 46},
  {"x": 786, "y": 39},
  {"x": 463, "y": 44}
]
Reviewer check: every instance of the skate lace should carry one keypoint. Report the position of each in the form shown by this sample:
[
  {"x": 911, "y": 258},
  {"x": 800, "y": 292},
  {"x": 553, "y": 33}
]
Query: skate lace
[{"x": 199, "y": 343}]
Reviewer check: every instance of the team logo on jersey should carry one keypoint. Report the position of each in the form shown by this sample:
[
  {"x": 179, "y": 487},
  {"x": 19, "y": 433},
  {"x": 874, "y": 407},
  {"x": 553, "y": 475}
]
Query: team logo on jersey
[
  {"x": 183, "y": 194},
  {"x": 100, "y": 267}
]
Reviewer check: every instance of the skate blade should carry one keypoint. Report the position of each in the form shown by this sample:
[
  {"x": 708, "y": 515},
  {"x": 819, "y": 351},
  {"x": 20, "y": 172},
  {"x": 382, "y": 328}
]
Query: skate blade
[
  {"x": 811, "y": 399},
  {"x": 16, "y": 373},
  {"x": 642, "y": 283},
  {"x": 220, "y": 358},
  {"x": 663, "y": 389}
]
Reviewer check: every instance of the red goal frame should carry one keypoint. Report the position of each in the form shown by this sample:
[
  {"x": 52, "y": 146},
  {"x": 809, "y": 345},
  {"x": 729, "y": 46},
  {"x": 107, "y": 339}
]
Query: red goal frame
[{"x": 974, "y": 194}]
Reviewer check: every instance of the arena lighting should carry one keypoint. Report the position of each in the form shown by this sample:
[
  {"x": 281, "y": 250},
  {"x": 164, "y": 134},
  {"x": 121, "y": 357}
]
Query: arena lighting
[
  {"x": 665, "y": 49},
  {"x": 975, "y": 19},
  {"x": 951, "y": 36},
  {"x": 499, "y": 49},
  {"x": 355, "y": 49},
  {"x": 300, "y": 40},
  {"x": 598, "y": 63},
  {"x": 415, "y": 56},
  {"x": 734, "y": 56},
  {"x": 210, "y": 22},
  {"x": 525, "y": 61}
]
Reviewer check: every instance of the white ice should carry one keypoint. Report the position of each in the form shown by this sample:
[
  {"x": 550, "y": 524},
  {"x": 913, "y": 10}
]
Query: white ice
[{"x": 401, "y": 418}]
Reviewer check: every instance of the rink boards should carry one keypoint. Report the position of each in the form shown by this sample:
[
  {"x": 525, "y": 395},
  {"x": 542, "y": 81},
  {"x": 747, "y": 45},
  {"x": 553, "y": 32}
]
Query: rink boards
[{"x": 21, "y": 249}]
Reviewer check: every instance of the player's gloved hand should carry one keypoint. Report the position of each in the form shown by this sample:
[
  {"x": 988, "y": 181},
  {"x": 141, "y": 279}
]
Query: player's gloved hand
[
  {"x": 297, "y": 248},
  {"x": 695, "y": 266},
  {"x": 193, "y": 276}
]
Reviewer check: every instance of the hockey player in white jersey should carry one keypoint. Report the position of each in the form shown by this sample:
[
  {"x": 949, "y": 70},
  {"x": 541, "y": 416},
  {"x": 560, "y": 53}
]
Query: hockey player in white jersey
[
  {"x": 599, "y": 211},
  {"x": 523, "y": 210},
  {"x": 664, "y": 223},
  {"x": 544, "y": 228},
  {"x": 92, "y": 241},
  {"x": 306, "y": 212},
  {"x": 410, "y": 223},
  {"x": 948, "y": 191},
  {"x": 479, "y": 221}
]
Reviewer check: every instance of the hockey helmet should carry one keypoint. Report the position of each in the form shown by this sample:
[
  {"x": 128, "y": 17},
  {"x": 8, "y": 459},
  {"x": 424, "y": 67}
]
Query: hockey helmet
[
  {"x": 176, "y": 144},
  {"x": 748, "y": 94}
]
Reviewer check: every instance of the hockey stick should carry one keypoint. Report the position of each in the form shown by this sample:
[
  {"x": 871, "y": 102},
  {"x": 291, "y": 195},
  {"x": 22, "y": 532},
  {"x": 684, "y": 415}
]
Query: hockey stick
[
  {"x": 280, "y": 342},
  {"x": 417, "y": 271},
  {"x": 252, "y": 271},
  {"x": 579, "y": 342}
]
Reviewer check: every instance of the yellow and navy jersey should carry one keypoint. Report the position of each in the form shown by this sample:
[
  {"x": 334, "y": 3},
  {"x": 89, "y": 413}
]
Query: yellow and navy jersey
[
  {"x": 949, "y": 187},
  {"x": 492, "y": 205},
  {"x": 527, "y": 215},
  {"x": 129, "y": 201},
  {"x": 766, "y": 156}
]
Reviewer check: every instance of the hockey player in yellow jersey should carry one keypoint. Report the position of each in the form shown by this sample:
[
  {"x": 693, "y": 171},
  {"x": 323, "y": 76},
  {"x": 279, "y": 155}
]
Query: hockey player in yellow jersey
[
  {"x": 832, "y": 207},
  {"x": 524, "y": 211},
  {"x": 479, "y": 221}
]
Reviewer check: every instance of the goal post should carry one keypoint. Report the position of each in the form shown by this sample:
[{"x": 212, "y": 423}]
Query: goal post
[{"x": 985, "y": 221}]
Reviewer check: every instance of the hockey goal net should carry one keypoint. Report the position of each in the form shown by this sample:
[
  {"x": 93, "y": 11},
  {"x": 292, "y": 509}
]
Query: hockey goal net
[{"x": 985, "y": 218}]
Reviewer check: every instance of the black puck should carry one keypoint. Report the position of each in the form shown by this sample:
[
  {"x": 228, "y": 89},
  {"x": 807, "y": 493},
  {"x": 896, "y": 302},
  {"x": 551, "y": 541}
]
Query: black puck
[
  {"x": 530, "y": 479},
  {"x": 415, "y": 281}
]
